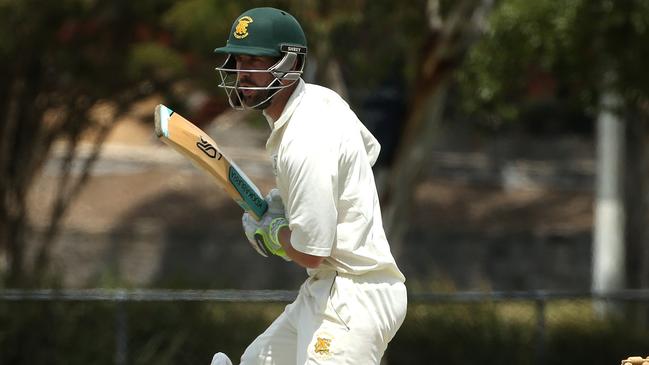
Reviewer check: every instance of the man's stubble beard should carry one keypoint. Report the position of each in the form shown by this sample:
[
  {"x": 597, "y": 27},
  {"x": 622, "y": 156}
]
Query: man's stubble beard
[{"x": 257, "y": 98}]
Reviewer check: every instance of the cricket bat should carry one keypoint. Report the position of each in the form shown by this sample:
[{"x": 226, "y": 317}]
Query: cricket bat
[{"x": 190, "y": 141}]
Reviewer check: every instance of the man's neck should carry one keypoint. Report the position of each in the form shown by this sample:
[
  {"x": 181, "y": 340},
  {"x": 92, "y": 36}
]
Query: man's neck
[{"x": 274, "y": 111}]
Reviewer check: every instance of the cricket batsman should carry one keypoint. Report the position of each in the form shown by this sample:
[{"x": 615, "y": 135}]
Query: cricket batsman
[{"x": 324, "y": 214}]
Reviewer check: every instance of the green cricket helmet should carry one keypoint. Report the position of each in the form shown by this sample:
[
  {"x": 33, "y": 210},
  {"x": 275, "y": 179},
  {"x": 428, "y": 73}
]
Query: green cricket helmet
[{"x": 266, "y": 32}]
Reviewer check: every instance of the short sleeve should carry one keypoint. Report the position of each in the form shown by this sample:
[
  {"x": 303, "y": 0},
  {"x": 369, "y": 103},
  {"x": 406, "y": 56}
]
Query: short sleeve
[{"x": 308, "y": 166}]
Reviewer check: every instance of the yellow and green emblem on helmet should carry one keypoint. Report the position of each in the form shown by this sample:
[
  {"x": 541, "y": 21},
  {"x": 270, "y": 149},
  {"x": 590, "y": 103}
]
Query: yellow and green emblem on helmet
[{"x": 241, "y": 29}]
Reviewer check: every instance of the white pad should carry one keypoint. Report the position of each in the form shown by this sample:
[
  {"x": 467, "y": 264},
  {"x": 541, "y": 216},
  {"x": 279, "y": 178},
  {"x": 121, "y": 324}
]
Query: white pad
[{"x": 220, "y": 359}]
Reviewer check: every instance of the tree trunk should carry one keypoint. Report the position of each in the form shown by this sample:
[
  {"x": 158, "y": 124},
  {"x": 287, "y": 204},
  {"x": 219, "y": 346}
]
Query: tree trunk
[
  {"x": 407, "y": 168},
  {"x": 447, "y": 43},
  {"x": 608, "y": 235},
  {"x": 21, "y": 147}
]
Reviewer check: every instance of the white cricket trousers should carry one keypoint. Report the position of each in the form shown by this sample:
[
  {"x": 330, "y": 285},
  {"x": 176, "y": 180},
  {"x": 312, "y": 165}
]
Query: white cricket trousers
[{"x": 335, "y": 319}]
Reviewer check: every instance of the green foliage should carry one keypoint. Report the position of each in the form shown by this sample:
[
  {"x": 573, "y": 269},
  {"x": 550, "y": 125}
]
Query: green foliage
[
  {"x": 47, "y": 333},
  {"x": 201, "y": 25},
  {"x": 555, "y": 50},
  {"x": 382, "y": 44},
  {"x": 457, "y": 334},
  {"x": 72, "y": 46},
  {"x": 156, "y": 333},
  {"x": 189, "y": 333},
  {"x": 595, "y": 342},
  {"x": 153, "y": 57},
  {"x": 502, "y": 333}
]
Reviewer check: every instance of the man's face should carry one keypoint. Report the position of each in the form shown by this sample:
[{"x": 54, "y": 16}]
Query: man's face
[{"x": 254, "y": 79}]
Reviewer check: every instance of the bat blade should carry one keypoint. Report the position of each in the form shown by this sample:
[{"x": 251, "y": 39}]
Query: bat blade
[{"x": 190, "y": 141}]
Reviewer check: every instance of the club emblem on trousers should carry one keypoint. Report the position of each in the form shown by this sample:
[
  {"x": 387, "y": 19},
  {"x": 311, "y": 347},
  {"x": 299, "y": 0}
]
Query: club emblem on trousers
[{"x": 322, "y": 346}]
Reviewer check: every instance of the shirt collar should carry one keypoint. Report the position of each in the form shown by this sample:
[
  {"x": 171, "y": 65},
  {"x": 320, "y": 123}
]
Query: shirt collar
[{"x": 289, "y": 108}]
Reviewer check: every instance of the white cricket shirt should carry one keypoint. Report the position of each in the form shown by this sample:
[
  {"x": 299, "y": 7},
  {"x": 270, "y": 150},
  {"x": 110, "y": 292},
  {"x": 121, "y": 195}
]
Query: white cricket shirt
[{"x": 322, "y": 157}]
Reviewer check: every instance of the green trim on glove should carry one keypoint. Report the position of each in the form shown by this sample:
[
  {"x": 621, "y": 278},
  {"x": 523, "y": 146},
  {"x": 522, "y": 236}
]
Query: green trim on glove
[
  {"x": 274, "y": 227},
  {"x": 269, "y": 237}
]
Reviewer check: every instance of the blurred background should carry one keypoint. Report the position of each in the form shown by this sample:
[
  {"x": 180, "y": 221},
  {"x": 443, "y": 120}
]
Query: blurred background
[{"x": 514, "y": 177}]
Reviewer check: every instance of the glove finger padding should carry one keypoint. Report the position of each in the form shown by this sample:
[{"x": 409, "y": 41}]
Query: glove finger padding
[
  {"x": 263, "y": 234},
  {"x": 267, "y": 237},
  {"x": 264, "y": 241},
  {"x": 250, "y": 226}
]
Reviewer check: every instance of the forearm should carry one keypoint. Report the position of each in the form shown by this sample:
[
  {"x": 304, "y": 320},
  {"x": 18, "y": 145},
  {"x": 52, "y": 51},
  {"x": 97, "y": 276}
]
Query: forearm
[{"x": 302, "y": 259}]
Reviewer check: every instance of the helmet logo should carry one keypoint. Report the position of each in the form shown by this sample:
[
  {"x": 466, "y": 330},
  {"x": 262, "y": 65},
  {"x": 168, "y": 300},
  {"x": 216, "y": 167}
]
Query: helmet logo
[{"x": 241, "y": 31}]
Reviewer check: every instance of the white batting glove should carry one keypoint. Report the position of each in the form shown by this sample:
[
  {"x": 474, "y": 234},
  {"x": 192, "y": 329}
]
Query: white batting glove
[{"x": 262, "y": 234}]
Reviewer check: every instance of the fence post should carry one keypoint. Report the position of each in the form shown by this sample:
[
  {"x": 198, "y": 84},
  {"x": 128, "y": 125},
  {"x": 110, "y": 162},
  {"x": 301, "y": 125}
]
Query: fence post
[
  {"x": 540, "y": 331},
  {"x": 121, "y": 333}
]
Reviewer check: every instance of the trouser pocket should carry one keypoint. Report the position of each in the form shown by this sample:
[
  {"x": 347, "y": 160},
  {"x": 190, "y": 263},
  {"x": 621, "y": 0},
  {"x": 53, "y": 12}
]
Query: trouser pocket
[{"x": 338, "y": 303}]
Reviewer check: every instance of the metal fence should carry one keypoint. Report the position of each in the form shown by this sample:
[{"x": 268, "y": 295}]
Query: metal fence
[{"x": 534, "y": 307}]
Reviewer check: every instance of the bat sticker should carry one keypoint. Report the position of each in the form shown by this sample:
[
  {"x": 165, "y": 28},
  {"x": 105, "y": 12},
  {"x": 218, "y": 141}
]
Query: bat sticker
[
  {"x": 250, "y": 196},
  {"x": 208, "y": 149}
]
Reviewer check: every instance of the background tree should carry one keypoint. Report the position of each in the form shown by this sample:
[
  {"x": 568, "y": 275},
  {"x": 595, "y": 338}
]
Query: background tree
[
  {"x": 69, "y": 69},
  {"x": 540, "y": 66},
  {"x": 451, "y": 29}
]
